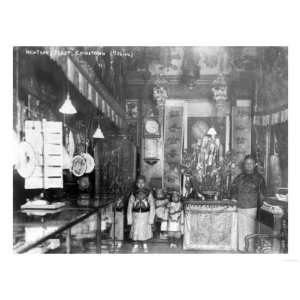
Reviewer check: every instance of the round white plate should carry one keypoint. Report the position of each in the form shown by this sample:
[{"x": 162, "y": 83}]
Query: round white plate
[
  {"x": 78, "y": 165},
  {"x": 90, "y": 162}
]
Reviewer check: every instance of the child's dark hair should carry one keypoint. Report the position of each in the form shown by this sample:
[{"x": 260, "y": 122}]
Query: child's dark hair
[
  {"x": 249, "y": 156},
  {"x": 176, "y": 193},
  {"x": 141, "y": 177},
  {"x": 156, "y": 190}
]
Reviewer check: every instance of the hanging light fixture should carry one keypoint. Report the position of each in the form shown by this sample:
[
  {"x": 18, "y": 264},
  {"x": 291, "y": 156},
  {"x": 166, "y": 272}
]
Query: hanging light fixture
[
  {"x": 67, "y": 108},
  {"x": 98, "y": 133}
]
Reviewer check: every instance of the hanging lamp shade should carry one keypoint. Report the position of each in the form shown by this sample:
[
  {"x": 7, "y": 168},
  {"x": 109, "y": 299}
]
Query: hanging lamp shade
[
  {"x": 98, "y": 133},
  {"x": 68, "y": 108}
]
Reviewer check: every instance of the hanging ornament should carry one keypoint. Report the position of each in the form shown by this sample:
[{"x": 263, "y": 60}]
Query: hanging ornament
[
  {"x": 160, "y": 94},
  {"x": 71, "y": 144},
  {"x": 219, "y": 89},
  {"x": 67, "y": 161}
]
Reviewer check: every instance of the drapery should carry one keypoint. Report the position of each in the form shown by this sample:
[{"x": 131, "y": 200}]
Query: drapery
[
  {"x": 281, "y": 148},
  {"x": 212, "y": 228},
  {"x": 271, "y": 118}
]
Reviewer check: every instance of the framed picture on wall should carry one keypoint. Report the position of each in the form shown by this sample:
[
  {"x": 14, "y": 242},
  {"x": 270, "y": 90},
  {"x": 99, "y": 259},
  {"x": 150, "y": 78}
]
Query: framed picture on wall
[
  {"x": 132, "y": 109},
  {"x": 199, "y": 126},
  {"x": 133, "y": 130}
]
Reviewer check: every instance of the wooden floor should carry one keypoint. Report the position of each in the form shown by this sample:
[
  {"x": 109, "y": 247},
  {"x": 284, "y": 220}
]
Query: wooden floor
[
  {"x": 154, "y": 247},
  {"x": 157, "y": 245}
]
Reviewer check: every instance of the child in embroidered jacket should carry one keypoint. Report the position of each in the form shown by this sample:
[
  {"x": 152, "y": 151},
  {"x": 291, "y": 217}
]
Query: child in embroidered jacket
[
  {"x": 161, "y": 211},
  {"x": 140, "y": 215},
  {"x": 175, "y": 220},
  {"x": 117, "y": 229}
]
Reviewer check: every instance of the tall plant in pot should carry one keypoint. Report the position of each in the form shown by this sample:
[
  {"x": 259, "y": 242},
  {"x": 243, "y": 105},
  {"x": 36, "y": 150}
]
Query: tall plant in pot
[{"x": 206, "y": 171}]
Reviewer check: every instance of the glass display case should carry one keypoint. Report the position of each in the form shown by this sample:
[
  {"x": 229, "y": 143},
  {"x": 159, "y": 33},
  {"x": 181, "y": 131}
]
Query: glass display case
[{"x": 65, "y": 230}]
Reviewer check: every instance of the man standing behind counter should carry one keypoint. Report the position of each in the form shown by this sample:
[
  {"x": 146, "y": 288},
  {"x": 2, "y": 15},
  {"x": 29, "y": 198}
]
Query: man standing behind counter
[{"x": 248, "y": 190}]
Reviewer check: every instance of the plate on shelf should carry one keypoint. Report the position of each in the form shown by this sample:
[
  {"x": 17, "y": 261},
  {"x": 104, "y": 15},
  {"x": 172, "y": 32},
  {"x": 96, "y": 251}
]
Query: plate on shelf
[
  {"x": 79, "y": 165},
  {"x": 90, "y": 162}
]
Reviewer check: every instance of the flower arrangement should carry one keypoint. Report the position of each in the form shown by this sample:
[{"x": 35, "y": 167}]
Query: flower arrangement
[{"x": 206, "y": 171}]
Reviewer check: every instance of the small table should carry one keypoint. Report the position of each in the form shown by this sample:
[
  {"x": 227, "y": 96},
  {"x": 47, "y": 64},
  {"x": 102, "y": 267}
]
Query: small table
[
  {"x": 35, "y": 228},
  {"x": 210, "y": 225}
]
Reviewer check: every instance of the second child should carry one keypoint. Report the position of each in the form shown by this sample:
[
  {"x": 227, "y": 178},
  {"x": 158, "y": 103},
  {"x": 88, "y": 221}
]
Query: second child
[
  {"x": 175, "y": 220},
  {"x": 161, "y": 211}
]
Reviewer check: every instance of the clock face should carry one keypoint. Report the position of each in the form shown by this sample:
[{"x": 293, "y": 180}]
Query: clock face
[{"x": 152, "y": 126}]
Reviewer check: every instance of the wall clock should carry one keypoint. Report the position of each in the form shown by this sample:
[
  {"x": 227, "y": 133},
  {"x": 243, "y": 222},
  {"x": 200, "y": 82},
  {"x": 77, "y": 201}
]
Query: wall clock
[{"x": 151, "y": 128}]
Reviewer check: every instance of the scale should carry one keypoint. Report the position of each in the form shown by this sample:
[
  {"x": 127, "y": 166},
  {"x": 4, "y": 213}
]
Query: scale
[{"x": 40, "y": 205}]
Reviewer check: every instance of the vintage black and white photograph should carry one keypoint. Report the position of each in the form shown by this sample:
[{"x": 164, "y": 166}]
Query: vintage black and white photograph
[{"x": 150, "y": 149}]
